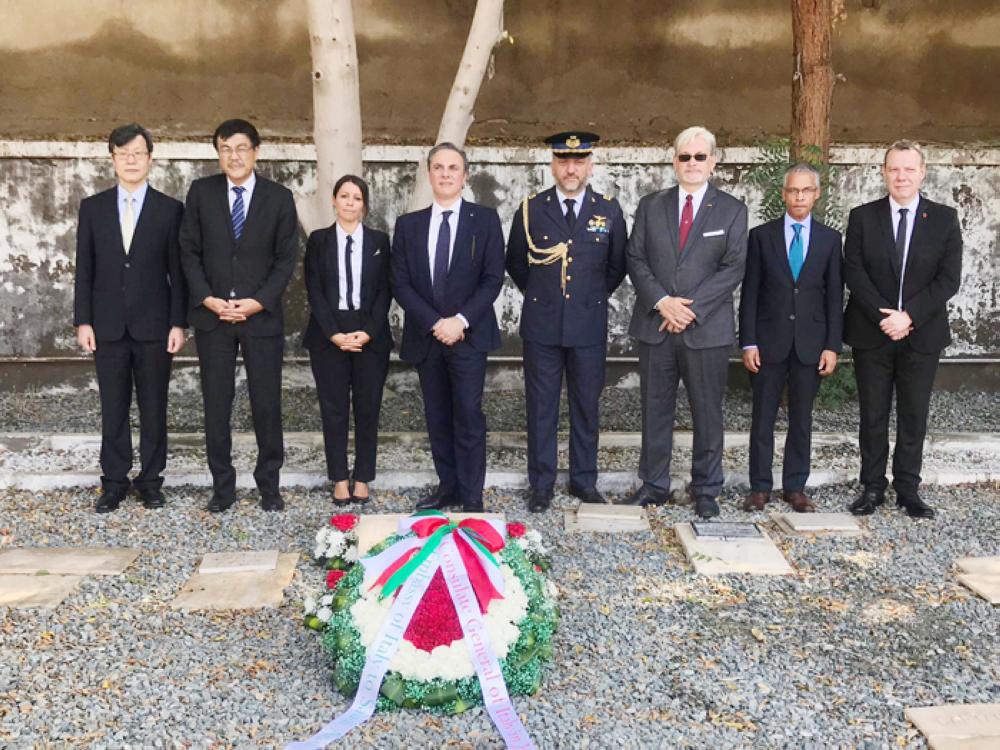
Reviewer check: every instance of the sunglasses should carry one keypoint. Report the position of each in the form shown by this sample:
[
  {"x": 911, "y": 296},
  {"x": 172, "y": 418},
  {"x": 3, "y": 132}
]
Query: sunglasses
[{"x": 689, "y": 157}]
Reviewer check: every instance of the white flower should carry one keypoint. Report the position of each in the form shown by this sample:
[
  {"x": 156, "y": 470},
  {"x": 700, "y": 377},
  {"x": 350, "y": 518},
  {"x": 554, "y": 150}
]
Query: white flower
[
  {"x": 309, "y": 605},
  {"x": 321, "y": 536},
  {"x": 326, "y": 600},
  {"x": 324, "y": 614},
  {"x": 351, "y": 555},
  {"x": 552, "y": 589},
  {"x": 318, "y": 550}
]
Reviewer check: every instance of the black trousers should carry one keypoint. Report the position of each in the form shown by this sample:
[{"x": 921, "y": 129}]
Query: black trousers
[
  {"x": 452, "y": 381},
  {"x": 262, "y": 355},
  {"x": 543, "y": 372},
  {"x": 803, "y": 383},
  {"x": 704, "y": 374},
  {"x": 342, "y": 377},
  {"x": 120, "y": 364},
  {"x": 893, "y": 367}
]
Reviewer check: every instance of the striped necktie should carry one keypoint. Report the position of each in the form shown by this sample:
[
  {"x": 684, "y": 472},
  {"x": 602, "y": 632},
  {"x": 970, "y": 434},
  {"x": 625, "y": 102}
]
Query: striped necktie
[
  {"x": 239, "y": 216},
  {"x": 128, "y": 223}
]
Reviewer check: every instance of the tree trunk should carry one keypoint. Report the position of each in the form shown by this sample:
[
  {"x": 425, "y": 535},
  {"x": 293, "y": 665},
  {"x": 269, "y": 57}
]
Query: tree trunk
[
  {"x": 336, "y": 106},
  {"x": 484, "y": 34},
  {"x": 813, "y": 78}
]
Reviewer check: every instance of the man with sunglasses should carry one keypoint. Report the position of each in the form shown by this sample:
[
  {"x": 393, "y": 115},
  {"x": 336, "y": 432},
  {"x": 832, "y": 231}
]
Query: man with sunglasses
[
  {"x": 791, "y": 319},
  {"x": 685, "y": 257}
]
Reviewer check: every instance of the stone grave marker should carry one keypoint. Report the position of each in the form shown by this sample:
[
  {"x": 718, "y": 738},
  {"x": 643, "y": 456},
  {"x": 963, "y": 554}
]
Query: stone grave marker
[
  {"x": 36, "y": 591},
  {"x": 720, "y": 555},
  {"x": 70, "y": 561},
  {"x": 817, "y": 524},
  {"x": 238, "y": 562},
  {"x": 375, "y": 527},
  {"x": 981, "y": 575},
  {"x": 974, "y": 726},
  {"x": 245, "y": 590},
  {"x": 605, "y": 517}
]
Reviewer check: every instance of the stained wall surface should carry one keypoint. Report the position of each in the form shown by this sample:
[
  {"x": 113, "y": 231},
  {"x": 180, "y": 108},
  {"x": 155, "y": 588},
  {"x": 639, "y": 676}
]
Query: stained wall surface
[{"x": 636, "y": 70}]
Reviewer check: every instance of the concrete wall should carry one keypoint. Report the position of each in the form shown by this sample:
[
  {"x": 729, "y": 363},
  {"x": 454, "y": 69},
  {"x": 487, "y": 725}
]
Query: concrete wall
[
  {"x": 635, "y": 70},
  {"x": 43, "y": 183}
]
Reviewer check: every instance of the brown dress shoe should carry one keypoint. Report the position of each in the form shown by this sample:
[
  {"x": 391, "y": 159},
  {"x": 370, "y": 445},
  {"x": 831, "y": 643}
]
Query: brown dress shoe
[
  {"x": 800, "y": 502},
  {"x": 756, "y": 501}
]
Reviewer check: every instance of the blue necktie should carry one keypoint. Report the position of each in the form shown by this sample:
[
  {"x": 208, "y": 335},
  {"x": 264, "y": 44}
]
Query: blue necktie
[
  {"x": 349, "y": 270},
  {"x": 795, "y": 255},
  {"x": 440, "y": 280},
  {"x": 239, "y": 217}
]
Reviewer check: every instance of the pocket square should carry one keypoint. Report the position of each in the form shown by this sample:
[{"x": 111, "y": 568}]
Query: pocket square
[
  {"x": 714, "y": 233},
  {"x": 377, "y": 252}
]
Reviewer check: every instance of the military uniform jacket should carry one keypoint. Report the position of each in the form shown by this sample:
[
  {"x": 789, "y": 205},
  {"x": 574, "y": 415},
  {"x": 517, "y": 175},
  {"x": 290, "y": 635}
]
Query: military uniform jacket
[{"x": 576, "y": 315}]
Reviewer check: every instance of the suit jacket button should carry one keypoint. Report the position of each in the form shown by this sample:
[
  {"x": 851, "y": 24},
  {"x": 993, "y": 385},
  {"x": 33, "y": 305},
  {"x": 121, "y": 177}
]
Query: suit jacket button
[
  {"x": 127, "y": 265},
  {"x": 545, "y": 237},
  {"x": 796, "y": 290},
  {"x": 569, "y": 242},
  {"x": 569, "y": 259},
  {"x": 791, "y": 317},
  {"x": 569, "y": 278},
  {"x": 534, "y": 299},
  {"x": 567, "y": 295}
]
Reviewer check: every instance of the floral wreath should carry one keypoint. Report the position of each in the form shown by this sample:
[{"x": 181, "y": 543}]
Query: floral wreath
[{"x": 435, "y": 665}]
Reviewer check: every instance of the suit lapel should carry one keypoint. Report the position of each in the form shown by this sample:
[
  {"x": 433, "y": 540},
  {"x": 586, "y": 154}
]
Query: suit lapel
[
  {"x": 700, "y": 219},
  {"x": 888, "y": 233},
  {"x": 673, "y": 218},
  {"x": 422, "y": 261},
  {"x": 110, "y": 211},
  {"x": 780, "y": 253},
  {"x": 257, "y": 202},
  {"x": 145, "y": 218},
  {"x": 465, "y": 242},
  {"x": 586, "y": 209},
  {"x": 554, "y": 210},
  {"x": 222, "y": 201},
  {"x": 367, "y": 264}
]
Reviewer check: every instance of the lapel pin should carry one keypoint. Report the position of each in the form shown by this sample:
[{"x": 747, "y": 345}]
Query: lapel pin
[{"x": 923, "y": 215}]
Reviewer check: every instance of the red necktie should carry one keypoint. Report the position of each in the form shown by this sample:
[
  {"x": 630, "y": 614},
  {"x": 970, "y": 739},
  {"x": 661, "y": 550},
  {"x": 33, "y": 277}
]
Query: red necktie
[{"x": 687, "y": 219}]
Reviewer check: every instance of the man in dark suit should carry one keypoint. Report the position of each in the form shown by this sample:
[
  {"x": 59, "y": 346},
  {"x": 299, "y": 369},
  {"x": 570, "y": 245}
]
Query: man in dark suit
[
  {"x": 902, "y": 263},
  {"x": 239, "y": 242},
  {"x": 566, "y": 253},
  {"x": 447, "y": 270},
  {"x": 685, "y": 258},
  {"x": 129, "y": 313},
  {"x": 791, "y": 322}
]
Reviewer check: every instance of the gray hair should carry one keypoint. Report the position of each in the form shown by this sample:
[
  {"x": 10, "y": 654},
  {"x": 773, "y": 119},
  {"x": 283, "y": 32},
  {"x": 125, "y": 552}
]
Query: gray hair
[
  {"x": 689, "y": 134},
  {"x": 448, "y": 146},
  {"x": 801, "y": 168},
  {"x": 905, "y": 145}
]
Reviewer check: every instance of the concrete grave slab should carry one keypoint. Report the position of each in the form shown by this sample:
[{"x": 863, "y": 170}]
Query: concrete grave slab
[
  {"x": 375, "y": 527},
  {"x": 979, "y": 565},
  {"x": 817, "y": 524},
  {"x": 246, "y": 590},
  {"x": 987, "y": 586},
  {"x": 974, "y": 726},
  {"x": 238, "y": 562},
  {"x": 712, "y": 556},
  {"x": 35, "y": 591},
  {"x": 77, "y": 561},
  {"x": 607, "y": 518}
]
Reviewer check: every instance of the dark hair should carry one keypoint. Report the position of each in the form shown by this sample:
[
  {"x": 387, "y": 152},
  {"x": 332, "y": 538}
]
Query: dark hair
[
  {"x": 125, "y": 134},
  {"x": 448, "y": 146},
  {"x": 233, "y": 127},
  {"x": 359, "y": 183}
]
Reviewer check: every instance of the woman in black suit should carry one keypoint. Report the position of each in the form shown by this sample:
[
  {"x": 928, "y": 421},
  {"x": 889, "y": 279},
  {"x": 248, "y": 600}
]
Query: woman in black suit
[{"x": 348, "y": 337}]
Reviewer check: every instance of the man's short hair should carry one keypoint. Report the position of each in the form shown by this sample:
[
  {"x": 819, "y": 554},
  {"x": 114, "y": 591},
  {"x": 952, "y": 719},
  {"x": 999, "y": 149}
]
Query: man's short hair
[
  {"x": 905, "y": 145},
  {"x": 803, "y": 168},
  {"x": 689, "y": 134},
  {"x": 448, "y": 146},
  {"x": 234, "y": 127},
  {"x": 125, "y": 134}
]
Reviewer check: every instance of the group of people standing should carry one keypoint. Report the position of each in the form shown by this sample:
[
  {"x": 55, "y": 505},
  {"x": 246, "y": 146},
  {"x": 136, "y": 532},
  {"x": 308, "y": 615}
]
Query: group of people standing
[{"x": 147, "y": 266}]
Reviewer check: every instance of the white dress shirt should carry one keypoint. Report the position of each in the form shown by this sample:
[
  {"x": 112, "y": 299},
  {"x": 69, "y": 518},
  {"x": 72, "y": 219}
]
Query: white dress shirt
[
  {"x": 432, "y": 237},
  {"x": 911, "y": 217},
  {"x": 803, "y": 233},
  {"x": 248, "y": 186},
  {"x": 358, "y": 236},
  {"x": 577, "y": 202},
  {"x": 137, "y": 200}
]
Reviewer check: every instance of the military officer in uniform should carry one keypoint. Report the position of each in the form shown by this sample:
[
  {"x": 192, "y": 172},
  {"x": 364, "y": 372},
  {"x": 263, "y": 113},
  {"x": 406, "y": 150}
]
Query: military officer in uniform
[{"x": 566, "y": 253}]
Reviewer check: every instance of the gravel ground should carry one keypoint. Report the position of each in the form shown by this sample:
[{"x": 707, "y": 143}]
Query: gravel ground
[
  {"x": 648, "y": 654},
  {"x": 78, "y": 410}
]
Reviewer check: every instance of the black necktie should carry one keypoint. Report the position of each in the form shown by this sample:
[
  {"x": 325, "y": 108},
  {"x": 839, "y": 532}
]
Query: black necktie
[
  {"x": 349, "y": 270},
  {"x": 901, "y": 239},
  {"x": 570, "y": 212},
  {"x": 440, "y": 280}
]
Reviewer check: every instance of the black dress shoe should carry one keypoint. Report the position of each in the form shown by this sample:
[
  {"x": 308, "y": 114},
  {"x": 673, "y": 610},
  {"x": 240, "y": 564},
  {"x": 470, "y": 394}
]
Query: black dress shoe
[
  {"x": 539, "y": 501},
  {"x": 152, "y": 498},
  {"x": 914, "y": 506},
  {"x": 867, "y": 502},
  {"x": 590, "y": 495},
  {"x": 109, "y": 501},
  {"x": 438, "y": 500},
  {"x": 473, "y": 507},
  {"x": 219, "y": 504},
  {"x": 646, "y": 496},
  {"x": 706, "y": 507},
  {"x": 272, "y": 503}
]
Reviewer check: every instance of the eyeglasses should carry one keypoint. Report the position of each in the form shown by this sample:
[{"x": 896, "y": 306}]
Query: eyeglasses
[
  {"x": 689, "y": 157},
  {"x": 130, "y": 155},
  {"x": 243, "y": 150},
  {"x": 796, "y": 192}
]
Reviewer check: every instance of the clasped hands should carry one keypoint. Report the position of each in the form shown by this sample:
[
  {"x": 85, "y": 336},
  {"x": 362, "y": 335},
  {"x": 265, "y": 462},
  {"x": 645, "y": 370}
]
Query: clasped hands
[
  {"x": 449, "y": 331},
  {"x": 676, "y": 313},
  {"x": 350, "y": 342},
  {"x": 896, "y": 324},
  {"x": 233, "y": 310}
]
